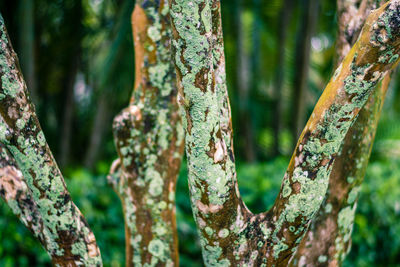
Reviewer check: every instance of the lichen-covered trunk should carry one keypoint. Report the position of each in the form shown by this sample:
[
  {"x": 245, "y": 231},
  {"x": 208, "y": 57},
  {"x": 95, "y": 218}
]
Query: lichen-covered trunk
[
  {"x": 57, "y": 222},
  {"x": 149, "y": 138},
  {"x": 230, "y": 234},
  {"x": 329, "y": 238}
]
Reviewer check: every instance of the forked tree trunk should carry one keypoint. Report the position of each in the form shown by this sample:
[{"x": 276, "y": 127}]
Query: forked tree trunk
[
  {"x": 229, "y": 232},
  {"x": 149, "y": 138},
  {"x": 329, "y": 238},
  {"x": 56, "y": 221}
]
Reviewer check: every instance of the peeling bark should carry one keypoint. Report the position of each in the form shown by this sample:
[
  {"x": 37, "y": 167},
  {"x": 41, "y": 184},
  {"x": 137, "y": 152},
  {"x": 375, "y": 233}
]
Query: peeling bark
[
  {"x": 329, "y": 238},
  {"x": 65, "y": 233},
  {"x": 150, "y": 140},
  {"x": 229, "y": 233}
]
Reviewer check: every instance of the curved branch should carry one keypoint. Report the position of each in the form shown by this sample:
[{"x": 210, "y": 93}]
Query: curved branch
[
  {"x": 329, "y": 238},
  {"x": 149, "y": 139},
  {"x": 66, "y": 234}
]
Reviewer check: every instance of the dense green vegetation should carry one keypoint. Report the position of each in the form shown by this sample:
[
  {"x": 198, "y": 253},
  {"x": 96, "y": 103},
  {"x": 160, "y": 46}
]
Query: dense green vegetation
[{"x": 84, "y": 47}]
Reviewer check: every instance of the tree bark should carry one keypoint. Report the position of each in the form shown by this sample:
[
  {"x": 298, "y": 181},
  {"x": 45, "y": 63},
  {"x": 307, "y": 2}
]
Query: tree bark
[
  {"x": 329, "y": 238},
  {"x": 229, "y": 233},
  {"x": 66, "y": 234},
  {"x": 149, "y": 138}
]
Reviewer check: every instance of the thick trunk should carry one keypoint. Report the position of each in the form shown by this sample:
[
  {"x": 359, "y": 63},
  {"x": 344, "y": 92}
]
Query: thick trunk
[
  {"x": 329, "y": 238},
  {"x": 302, "y": 65},
  {"x": 229, "y": 232},
  {"x": 65, "y": 233},
  {"x": 149, "y": 138}
]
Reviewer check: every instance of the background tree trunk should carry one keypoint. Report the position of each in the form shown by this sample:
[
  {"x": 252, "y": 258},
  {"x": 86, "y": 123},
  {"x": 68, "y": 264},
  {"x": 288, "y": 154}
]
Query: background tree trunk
[
  {"x": 284, "y": 19},
  {"x": 69, "y": 84},
  {"x": 308, "y": 23},
  {"x": 243, "y": 75},
  {"x": 27, "y": 45}
]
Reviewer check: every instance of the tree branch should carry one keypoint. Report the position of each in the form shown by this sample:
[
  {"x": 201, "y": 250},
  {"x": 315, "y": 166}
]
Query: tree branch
[
  {"x": 329, "y": 238},
  {"x": 149, "y": 138},
  {"x": 66, "y": 235}
]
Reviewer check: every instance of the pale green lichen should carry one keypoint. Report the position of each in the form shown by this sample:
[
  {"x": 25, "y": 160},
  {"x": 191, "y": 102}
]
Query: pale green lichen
[{"x": 322, "y": 258}]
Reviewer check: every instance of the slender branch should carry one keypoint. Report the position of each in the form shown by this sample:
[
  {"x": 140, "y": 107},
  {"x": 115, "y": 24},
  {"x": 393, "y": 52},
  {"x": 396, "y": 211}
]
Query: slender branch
[
  {"x": 149, "y": 139},
  {"x": 329, "y": 238},
  {"x": 229, "y": 233},
  {"x": 66, "y": 235}
]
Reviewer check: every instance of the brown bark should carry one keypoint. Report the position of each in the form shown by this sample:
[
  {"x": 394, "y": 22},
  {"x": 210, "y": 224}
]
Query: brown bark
[
  {"x": 229, "y": 233},
  {"x": 149, "y": 141}
]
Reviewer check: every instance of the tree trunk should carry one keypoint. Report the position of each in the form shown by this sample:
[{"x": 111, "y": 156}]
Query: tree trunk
[
  {"x": 149, "y": 138},
  {"x": 230, "y": 234},
  {"x": 64, "y": 232},
  {"x": 329, "y": 239},
  {"x": 69, "y": 84},
  {"x": 101, "y": 119},
  {"x": 302, "y": 64}
]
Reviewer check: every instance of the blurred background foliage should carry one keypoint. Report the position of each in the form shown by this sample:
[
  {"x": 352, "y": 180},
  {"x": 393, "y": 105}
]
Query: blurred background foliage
[{"x": 77, "y": 57}]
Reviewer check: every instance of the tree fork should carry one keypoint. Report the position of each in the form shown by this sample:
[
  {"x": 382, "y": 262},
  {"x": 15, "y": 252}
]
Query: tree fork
[
  {"x": 149, "y": 138},
  {"x": 229, "y": 233},
  {"x": 64, "y": 232}
]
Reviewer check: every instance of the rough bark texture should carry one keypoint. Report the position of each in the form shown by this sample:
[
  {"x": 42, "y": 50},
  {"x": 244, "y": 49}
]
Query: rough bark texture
[
  {"x": 150, "y": 140},
  {"x": 329, "y": 238},
  {"x": 229, "y": 233},
  {"x": 64, "y": 233}
]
